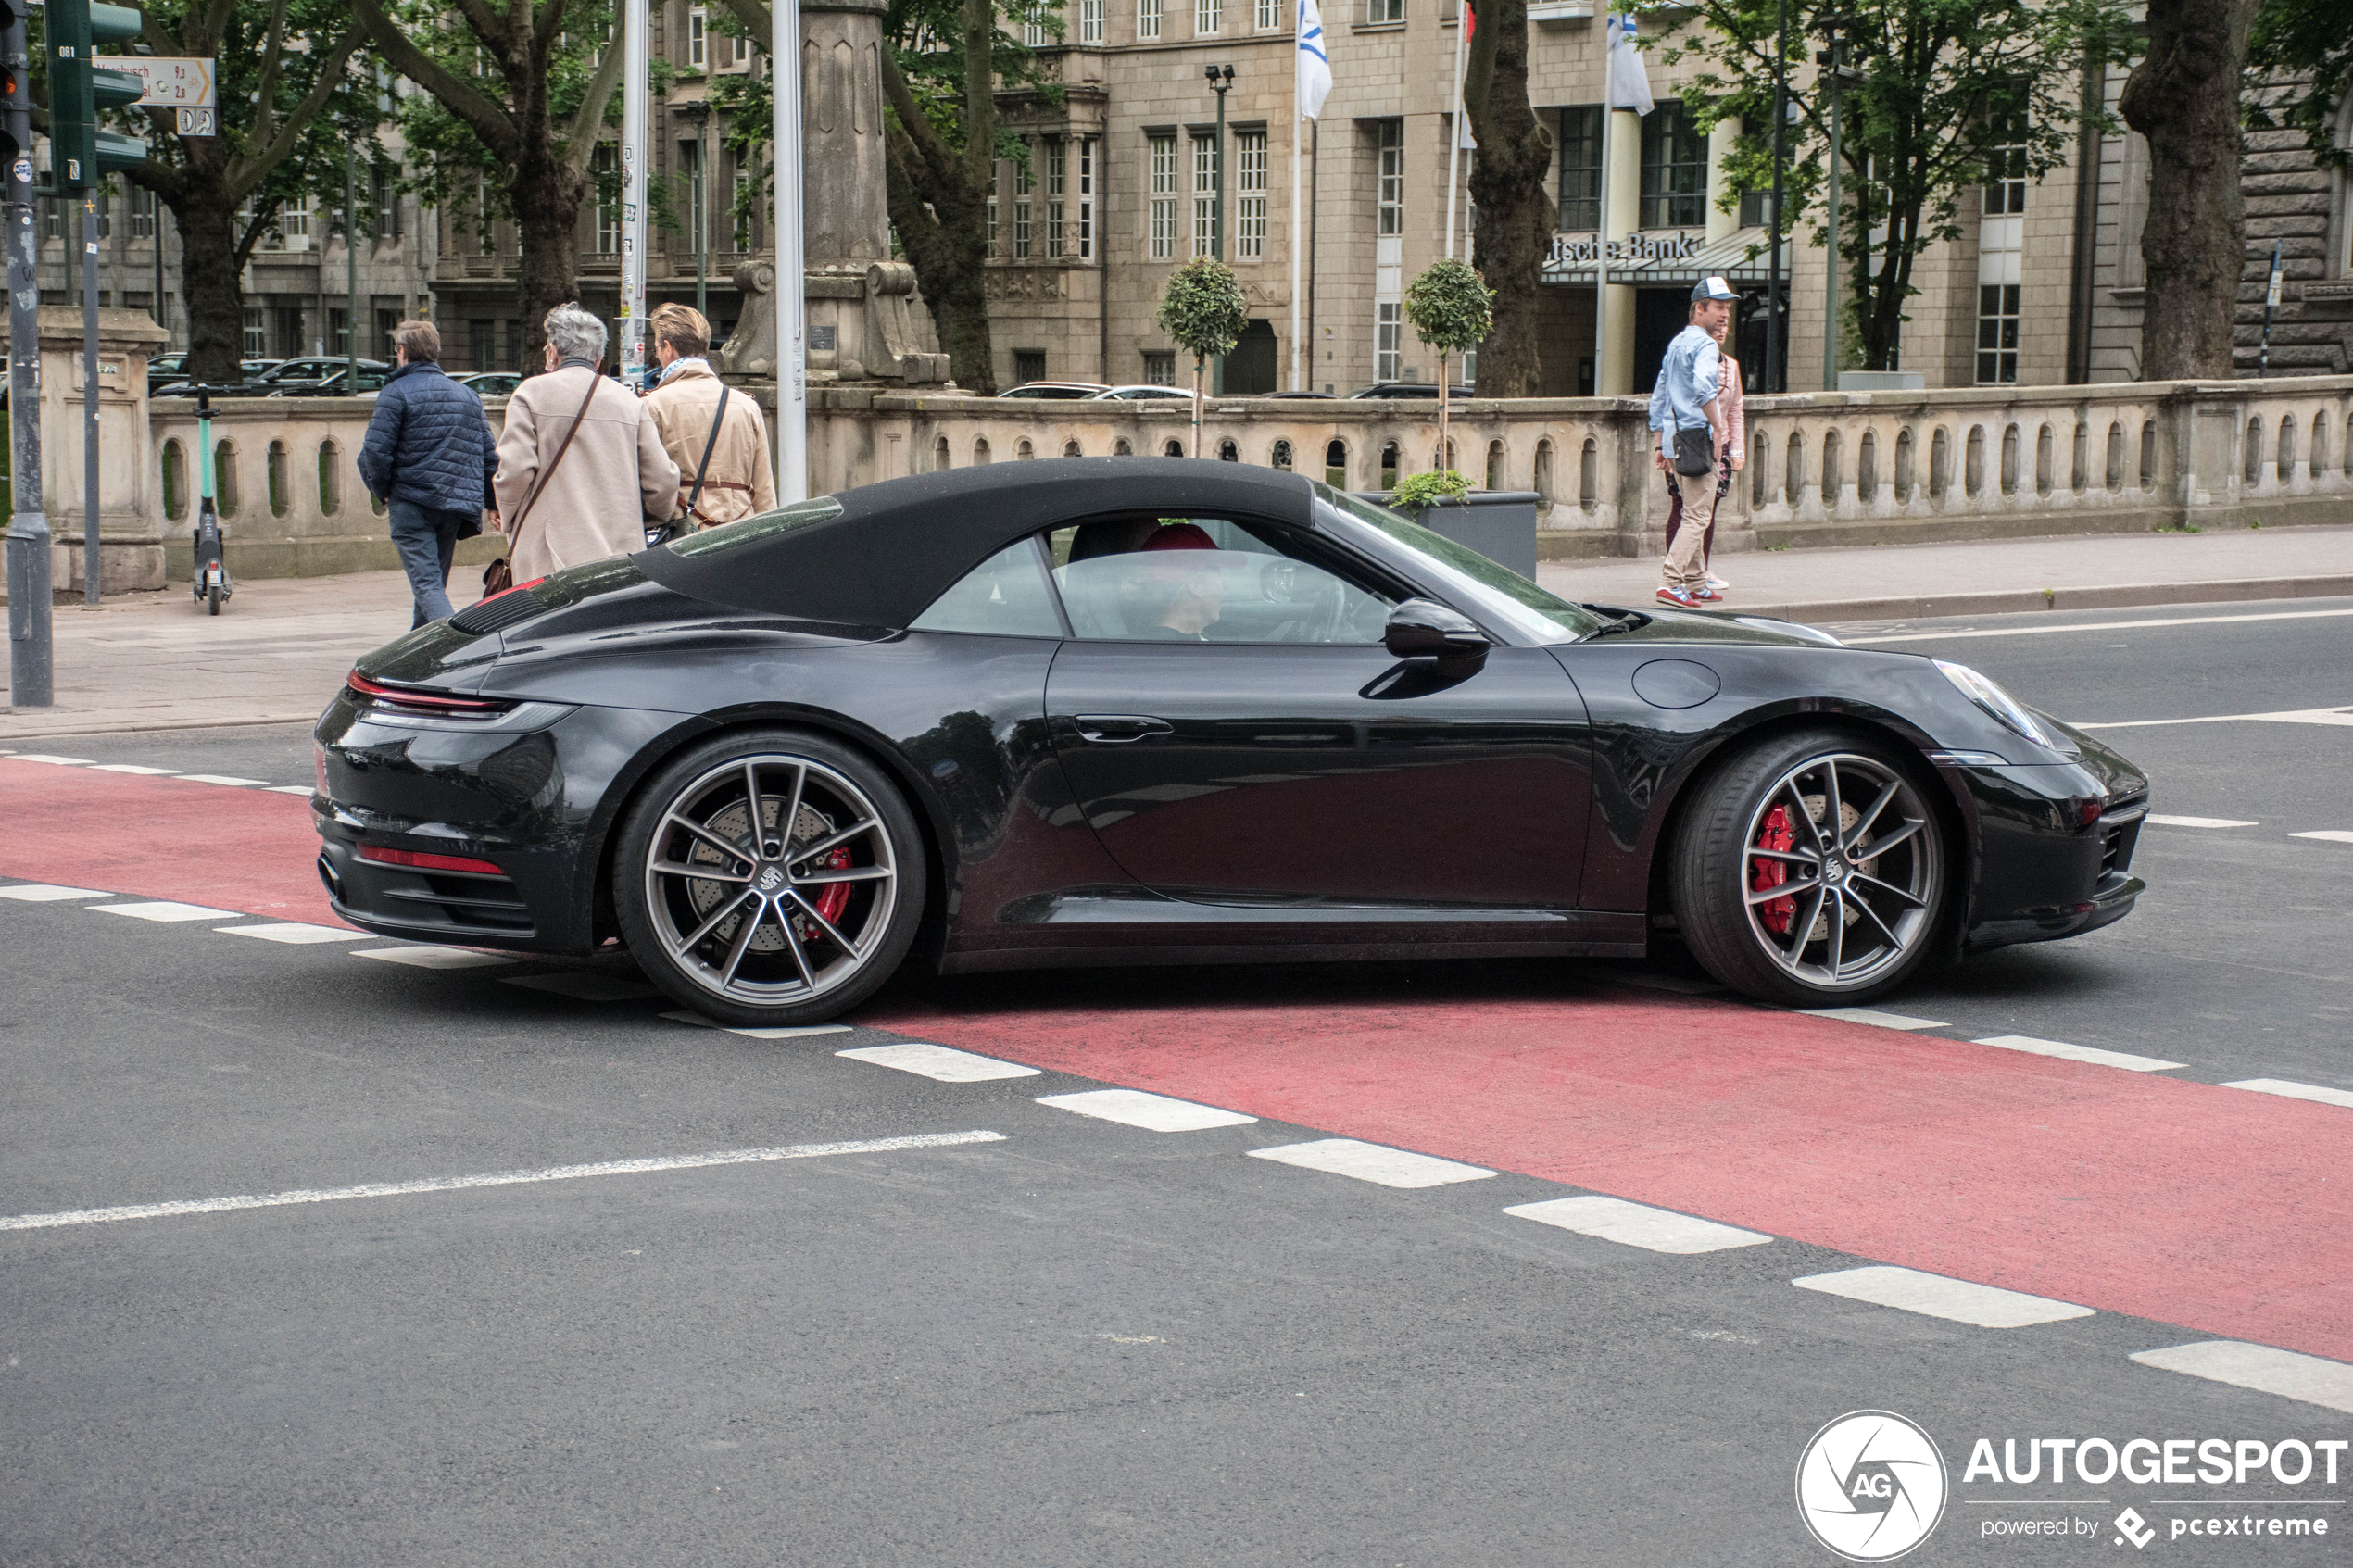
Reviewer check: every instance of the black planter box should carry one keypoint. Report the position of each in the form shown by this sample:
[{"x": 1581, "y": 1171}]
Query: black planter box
[{"x": 1498, "y": 524}]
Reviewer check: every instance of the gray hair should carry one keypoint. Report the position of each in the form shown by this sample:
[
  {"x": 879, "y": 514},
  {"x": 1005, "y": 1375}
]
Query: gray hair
[{"x": 576, "y": 333}]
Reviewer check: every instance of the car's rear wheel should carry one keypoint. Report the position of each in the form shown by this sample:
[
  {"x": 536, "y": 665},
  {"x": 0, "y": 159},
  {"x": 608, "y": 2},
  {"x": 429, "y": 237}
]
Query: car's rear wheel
[
  {"x": 1811, "y": 871},
  {"x": 769, "y": 877}
]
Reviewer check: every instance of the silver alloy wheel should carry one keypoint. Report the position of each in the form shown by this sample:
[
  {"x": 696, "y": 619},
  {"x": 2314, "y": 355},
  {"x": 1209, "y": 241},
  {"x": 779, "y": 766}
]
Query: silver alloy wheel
[
  {"x": 1841, "y": 870},
  {"x": 782, "y": 914}
]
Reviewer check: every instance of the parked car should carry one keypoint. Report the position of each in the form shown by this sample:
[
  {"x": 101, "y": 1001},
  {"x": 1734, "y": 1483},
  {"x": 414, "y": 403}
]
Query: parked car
[
  {"x": 1226, "y": 726},
  {"x": 1403, "y": 389},
  {"x": 251, "y": 369},
  {"x": 1326, "y": 395},
  {"x": 490, "y": 383},
  {"x": 335, "y": 385},
  {"x": 1140, "y": 393},
  {"x": 1060, "y": 389}
]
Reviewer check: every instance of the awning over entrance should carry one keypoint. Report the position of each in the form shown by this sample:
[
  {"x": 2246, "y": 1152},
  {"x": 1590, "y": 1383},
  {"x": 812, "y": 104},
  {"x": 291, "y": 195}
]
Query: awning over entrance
[{"x": 1661, "y": 258}]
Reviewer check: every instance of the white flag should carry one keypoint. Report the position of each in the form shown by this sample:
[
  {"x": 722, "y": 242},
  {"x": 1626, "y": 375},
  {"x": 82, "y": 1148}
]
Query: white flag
[
  {"x": 1629, "y": 83},
  {"x": 1315, "y": 65}
]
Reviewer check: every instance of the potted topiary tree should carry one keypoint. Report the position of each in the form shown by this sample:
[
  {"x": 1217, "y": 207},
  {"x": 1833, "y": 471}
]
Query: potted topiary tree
[
  {"x": 1204, "y": 311},
  {"x": 1452, "y": 308}
]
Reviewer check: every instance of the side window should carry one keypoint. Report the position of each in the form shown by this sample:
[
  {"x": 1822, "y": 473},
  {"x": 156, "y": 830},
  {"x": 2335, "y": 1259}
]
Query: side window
[
  {"x": 1006, "y": 595},
  {"x": 1207, "y": 580}
]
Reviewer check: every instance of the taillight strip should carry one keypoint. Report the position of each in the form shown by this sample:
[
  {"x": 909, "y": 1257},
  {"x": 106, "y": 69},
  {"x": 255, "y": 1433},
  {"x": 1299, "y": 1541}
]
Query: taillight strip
[{"x": 418, "y": 701}]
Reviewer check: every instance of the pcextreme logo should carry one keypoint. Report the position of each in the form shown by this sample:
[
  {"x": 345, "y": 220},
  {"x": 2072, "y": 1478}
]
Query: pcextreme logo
[{"x": 1870, "y": 1486}]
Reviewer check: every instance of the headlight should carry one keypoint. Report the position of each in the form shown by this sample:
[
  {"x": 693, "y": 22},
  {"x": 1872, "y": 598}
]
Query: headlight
[{"x": 1997, "y": 702}]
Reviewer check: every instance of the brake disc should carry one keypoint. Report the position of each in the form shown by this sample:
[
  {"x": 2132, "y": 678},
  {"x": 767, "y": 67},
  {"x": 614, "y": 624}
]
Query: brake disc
[
  {"x": 1847, "y": 817},
  {"x": 808, "y": 827}
]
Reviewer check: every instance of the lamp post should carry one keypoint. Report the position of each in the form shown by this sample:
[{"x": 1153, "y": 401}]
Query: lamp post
[
  {"x": 1774, "y": 379},
  {"x": 1221, "y": 82},
  {"x": 699, "y": 115},
  {"x": 1833, "y": 61}
]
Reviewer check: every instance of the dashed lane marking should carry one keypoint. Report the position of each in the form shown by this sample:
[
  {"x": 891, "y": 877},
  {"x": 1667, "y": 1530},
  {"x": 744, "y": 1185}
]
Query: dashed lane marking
[
  {"x": 1872, "y": 1017},
  {"x": 2093, "y": 1054},
  {"x": 1372, "y": 1162},
  {"x": 166, "y": 910},
  {"x": 289, "y": 789},
  {"x": 55, "y": 762},
  {"x": 2102, "y": 626},
  {"x": 46, "y": 893},
  {"x": 2340, "y": 716},
  {"x": 753, "y": 1032},
  {"x": 1154, "y": 1113},
  {"x": 2331, "y": 836},
  {"x": 2164, "y": 822},
  {"x": 429, "y": 956},
  {"x": 2309, "y": 1379},
  {"x": 939, "y": 1063},
  {"x": 491, "y": 1179},
  {"x": 1637, "y": 1225},
  {"x": 295, "y": 932},
  {"x": 221, "y": 779},
  {"x": 584, "y": 987},
  {"x": 135, "y": 769},
  {"x": 1986, "y": 1306},
  {"x": 2293, "y": 1090}
]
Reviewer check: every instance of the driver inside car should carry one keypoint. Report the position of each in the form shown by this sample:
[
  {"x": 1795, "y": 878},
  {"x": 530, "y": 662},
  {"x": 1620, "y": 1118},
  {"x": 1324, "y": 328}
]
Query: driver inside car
[{"x": 1190, "y": 595}]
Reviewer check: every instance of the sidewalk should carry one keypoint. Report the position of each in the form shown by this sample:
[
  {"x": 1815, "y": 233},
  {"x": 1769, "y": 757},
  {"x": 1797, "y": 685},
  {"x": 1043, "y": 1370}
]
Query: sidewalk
[{"x": 277, "y": 652}]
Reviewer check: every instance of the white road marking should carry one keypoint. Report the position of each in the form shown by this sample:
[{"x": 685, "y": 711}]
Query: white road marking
[
  {"x": 2331, "y": 836},
  {"x": 294, "y": 932},
  {"x": 2105, "y": 626},
  {"x": 1636, "y": 1225},
  {"x": 134, "y": 768},
  {"x": 427, "y": 957},
  {"x": 584, "y": 987},
  {"x": 2198, "y": 822},
  {"x": 221, "y": 778},
  {"x": 757, "y": 1033},
  {"x": 1934, "y": 1296},
  {"x": 1156, "y": 1114},
  {"x": 1372, "y": 1162},
  {"x": 2307, "y": 1379},
  {"x": 55, "y": 761},
  {"x": 939, "y": 1063},
  {"x": 1872, "y": 1017},
  {"x": 289, "y": 789},
  {"x": 2092, "y": 1054},
  {"x": 167, "y": 910},
  {"x": 2289, "y": 1089},
  {"x": 46, "y": 893},
  {"x": 490, "y": 1179},
  {"x": 2285, "y": 716}
]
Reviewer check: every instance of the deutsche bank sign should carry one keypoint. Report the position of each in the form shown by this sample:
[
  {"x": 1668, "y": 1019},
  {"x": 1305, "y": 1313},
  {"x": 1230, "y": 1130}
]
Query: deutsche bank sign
[{"x": 1585, "y": 250}]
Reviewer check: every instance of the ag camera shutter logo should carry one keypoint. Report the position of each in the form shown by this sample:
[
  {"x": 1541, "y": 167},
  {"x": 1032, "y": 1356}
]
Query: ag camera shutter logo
[{"x": 1871, "y": 1486}]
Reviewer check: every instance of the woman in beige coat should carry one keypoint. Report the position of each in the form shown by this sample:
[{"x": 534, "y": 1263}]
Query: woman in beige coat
[
  {"x": 613, "y": 481},
  {"x": 739, "y": 483}
]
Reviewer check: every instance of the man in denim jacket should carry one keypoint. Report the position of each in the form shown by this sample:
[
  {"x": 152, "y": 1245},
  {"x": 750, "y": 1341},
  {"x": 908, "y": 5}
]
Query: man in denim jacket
[
  {"x": 1685, "y": 399},
  {"x": 429, "y": 456}
]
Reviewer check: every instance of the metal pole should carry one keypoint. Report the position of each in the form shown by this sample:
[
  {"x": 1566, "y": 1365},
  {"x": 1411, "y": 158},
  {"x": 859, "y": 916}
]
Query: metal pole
[
  {"x": 792, "y": 305},
  {"x": 1218, "y": 163},
  {"x": 636, "y": 166},
  {"x": 1298, "y": 250},
  {"x": 702, "y": 219},
  {"x": 351, "y": 273},
  {"x": 2270, "y": 304},
  {"x": 1774, "y": 379},
  {"x": 1837, "y": 60},
  {"x": 1315, "y": 194},
  {"x": 90, "y": 573},
  {"x": 30, "y": 590},
  {"x": 1454, "y": 118},
  {"x": 1601, "y": 226}
]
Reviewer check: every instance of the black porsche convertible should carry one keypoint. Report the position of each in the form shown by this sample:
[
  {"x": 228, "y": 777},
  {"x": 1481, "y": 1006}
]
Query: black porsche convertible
[{"x": 1137, "y": 711}]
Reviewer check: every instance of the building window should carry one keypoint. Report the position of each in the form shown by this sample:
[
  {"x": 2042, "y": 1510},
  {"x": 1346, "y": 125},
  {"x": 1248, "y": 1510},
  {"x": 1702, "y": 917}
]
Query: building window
[
  {"x": 1086, "y": 198},
  {"x": 1757, "y": 208},
  {"x": 1034, "y": 34},
  {"x": 1164, "y": 199},
  {"x": 1090, "y": 21},
  {"x": 1147, "y": 19},
  {"x": 486, "y": 238},
  {"x": 1205, "y": 195},
  {"x": 1057, "y": 194},
  {"x": 1385, "y": 11},
  {"x": 1270, "y": 15},
  {"x": 481, "y": 341},
  {"x": 606, "y": 163},
  {"x": 1674, "y": 169},
  {"x": 1385, "y": 356},
  {"x": 990, "y": 252},
  {"x": 339, "y": 331},
  {"x": 1996, "y": 334},
  {"x": 255, "y": 343},
  {"x": 143, "y": 214},
  {"x": 1580, "y": 195},
  {"x": 1249, "y": 188},
  {"x": 2006, "y": 170},
  {"x": 698, "y": 36},
  {"x": 53, "y": 218},
  {"x": 1159, "y": 369},
  {"x": 742, "y": 207},
  {"x": 1029, "y": 364},
  {"x": 1392, "y": 194},
  {"x": 1025, "y": 185},
  {"x": 385, "y": 198},
  {"x": 1208, "y": 15},
  {"x": 742, "y": 52}
]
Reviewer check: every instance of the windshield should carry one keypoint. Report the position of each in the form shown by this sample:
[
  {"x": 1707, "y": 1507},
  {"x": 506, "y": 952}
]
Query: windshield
[{"x": 1494, "y": 593}]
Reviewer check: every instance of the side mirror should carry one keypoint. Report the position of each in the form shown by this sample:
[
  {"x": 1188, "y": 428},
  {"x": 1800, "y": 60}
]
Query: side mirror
[{"x": 1424, "y": 628}]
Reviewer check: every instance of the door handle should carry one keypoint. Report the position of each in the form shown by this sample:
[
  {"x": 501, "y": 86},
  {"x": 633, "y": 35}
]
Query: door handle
[{"x": 1117, "y": 729}]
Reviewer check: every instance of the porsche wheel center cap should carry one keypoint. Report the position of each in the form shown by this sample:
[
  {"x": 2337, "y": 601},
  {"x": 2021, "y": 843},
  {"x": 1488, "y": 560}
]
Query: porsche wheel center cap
[{"x": 771, "y": 879}]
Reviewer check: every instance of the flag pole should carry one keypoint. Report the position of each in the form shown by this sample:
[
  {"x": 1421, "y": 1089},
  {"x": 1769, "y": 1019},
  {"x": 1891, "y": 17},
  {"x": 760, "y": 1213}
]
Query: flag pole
[
  {"x": 1601, "y": 213},
  {"x": 1298, "y": 345},
  {"x": 792, "y": 366},
  {"x": 1454, "y": 126}
]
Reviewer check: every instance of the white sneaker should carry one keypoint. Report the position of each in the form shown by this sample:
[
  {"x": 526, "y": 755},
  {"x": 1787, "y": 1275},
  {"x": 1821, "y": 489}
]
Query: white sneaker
[{"x": 1717, "y": 584}]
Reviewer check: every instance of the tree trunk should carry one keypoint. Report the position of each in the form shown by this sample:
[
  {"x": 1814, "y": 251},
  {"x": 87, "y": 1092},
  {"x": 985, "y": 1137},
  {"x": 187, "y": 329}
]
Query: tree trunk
[
  {"x": 211, "y": 275},
  {"x": 2184, "y": 97},
  {"x": 947, "y": 245},
  {"x": 1513, "y": 227},
  {"x": 546, "y": 196}
]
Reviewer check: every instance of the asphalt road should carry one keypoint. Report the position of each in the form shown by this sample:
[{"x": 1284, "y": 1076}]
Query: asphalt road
[{"x": 1086, "y": 1341}]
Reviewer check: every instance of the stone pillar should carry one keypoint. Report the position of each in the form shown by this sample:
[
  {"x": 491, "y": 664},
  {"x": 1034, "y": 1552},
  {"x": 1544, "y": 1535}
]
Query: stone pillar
[
  {"x": 130, "y": 512},
  {"x": 1613, "y": 377},
  {"x": 1721, "y": 139}
]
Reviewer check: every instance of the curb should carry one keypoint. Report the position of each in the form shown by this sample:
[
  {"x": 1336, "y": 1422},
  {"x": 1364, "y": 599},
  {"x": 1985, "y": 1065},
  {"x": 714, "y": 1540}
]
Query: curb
[{"x": 2122, "y": 596}]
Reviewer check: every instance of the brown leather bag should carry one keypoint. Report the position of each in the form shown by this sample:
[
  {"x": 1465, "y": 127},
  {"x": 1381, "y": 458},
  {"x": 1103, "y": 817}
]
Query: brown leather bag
[{"x": 498, "y": 577}]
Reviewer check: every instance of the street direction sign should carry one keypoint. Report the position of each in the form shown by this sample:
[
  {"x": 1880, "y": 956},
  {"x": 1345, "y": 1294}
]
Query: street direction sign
[
  {"x": 171, "y": 82},
  {"x": 197, "y": 122}
]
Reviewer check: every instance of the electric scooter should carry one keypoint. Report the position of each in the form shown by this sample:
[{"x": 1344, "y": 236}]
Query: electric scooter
[{"x": 209, "y": 580}]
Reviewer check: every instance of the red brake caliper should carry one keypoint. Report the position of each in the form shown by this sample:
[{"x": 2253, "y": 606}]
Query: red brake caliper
[
  {"x": 836, "y": 898},
  {"x": 1776, "y": 913}
]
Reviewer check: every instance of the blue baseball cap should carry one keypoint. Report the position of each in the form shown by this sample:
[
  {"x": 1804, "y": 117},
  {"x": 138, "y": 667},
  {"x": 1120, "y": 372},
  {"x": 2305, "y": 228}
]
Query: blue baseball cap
[{"x": 1712, "y": 288}]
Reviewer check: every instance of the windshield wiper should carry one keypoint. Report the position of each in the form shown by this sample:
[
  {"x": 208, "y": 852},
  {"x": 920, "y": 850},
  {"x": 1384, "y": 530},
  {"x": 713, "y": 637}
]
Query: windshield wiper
[{"x": 1617, "y": 619}]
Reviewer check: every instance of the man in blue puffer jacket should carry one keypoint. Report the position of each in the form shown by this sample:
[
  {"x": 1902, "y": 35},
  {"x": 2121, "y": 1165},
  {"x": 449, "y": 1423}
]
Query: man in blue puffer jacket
[{"x": 429, "y": 456}]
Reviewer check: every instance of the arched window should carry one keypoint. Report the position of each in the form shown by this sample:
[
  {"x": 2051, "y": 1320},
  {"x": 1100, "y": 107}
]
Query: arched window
[
  {"x": 2045, "y": 461},
  {"x": 1023, "y": 451},
  {"x": 1070, "y": 449},
  {"x": 1120, "y": 448},
  {"x": 1281, "y": 456},
  {"x": 175, "y": 480},
  {"x": 1545, "y": 475},
  {"x": 939, "y": 459},
  {"x": 1227, "y": 452},
  {"x": 980, "y": 450},
  {"x": 1388, "y": 472},
  {"x": 1336, "y": 464},
  {"x": 1174, "y": 449}
]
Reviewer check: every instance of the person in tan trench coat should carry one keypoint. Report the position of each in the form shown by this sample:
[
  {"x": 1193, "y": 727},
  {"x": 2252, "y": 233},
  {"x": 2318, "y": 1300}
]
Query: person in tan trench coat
[
  {"x": 739, "y": 482},
  {"x": 615, "y": 479}
]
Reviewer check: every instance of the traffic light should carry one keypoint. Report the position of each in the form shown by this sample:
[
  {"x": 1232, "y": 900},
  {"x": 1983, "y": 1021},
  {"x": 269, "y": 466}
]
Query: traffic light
[
  {"x": 81, "y": 155},
  {"x": 15, "y": 88}
]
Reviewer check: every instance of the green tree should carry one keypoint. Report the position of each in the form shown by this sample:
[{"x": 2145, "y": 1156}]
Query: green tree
[
  {"x": 518, "y": 89},
  {"x": 1947, "y": 89},
  {"x": 1453, "y": 310},
  {"x": 2306, "y": 48},
  {"x": 291, "y": 105},
  {"x": 1204, "y": 310},
  {"x": 1513, "y": 218}
]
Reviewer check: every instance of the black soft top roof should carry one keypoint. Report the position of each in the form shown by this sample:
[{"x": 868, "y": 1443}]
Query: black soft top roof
[{"x": 895, "y": 547}]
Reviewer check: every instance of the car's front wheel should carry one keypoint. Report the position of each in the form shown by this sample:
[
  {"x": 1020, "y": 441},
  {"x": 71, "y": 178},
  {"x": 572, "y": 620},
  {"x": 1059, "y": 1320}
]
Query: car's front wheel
[
  {"x": 1811, "y": 871},
  {"x": 769, "y": 877}
]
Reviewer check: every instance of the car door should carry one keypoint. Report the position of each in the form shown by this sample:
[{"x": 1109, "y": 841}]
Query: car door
[{"x": 1234, "y": 731}]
